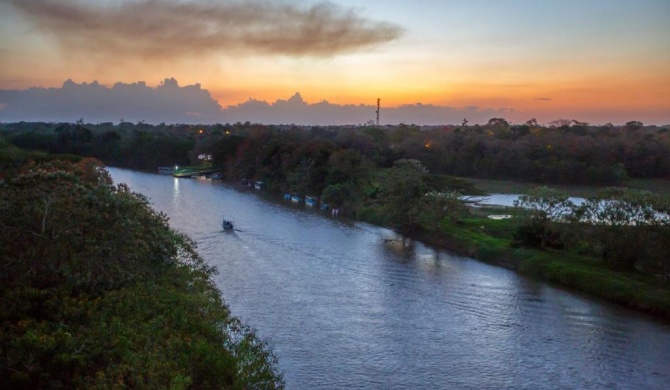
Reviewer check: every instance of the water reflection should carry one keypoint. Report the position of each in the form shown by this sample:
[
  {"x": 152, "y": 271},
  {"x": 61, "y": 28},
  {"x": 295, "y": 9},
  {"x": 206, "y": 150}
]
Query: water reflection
[{"x": 175, "y": 191}]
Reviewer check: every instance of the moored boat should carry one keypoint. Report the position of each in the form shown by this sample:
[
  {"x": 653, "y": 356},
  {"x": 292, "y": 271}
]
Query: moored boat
[{"x": 310, "y": 201}]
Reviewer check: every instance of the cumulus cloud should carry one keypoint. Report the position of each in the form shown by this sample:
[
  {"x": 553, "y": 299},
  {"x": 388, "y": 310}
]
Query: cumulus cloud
[
  {"x": 297, "y": 111},
  {"x": 172, "y": 103},
  {"x": 172, "y": 29},
  {"x": 134, "y": 102}
]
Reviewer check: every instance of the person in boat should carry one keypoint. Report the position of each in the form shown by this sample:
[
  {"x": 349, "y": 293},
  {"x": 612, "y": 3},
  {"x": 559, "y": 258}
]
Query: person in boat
[{"x": 227, "y": 224}]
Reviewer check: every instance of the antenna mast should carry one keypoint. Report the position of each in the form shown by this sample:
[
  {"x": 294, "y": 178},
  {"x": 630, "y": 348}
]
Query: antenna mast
[{"x": 378, "y": 100}]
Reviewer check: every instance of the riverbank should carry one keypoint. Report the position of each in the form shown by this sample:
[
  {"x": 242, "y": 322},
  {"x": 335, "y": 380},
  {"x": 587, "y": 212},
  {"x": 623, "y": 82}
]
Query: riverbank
[
  {"x": 483, "y": 239},
  {"x": 488, "y": 240}
]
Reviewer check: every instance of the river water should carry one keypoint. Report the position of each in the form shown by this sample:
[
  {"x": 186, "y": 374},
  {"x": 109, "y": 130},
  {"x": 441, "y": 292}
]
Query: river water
[{"x": 349, "y": 305}]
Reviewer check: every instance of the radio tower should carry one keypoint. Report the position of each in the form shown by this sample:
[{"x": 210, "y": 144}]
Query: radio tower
[{"x": 378, "y": 100}]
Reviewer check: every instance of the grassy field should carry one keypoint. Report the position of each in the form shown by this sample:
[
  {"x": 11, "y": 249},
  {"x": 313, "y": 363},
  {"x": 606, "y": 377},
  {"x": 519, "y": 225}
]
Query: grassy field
[{"x": 657, "y": 186}]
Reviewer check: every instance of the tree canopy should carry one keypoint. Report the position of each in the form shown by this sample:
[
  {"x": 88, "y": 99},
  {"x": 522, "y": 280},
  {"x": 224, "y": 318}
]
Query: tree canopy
[{"x": 97, "y": 291}]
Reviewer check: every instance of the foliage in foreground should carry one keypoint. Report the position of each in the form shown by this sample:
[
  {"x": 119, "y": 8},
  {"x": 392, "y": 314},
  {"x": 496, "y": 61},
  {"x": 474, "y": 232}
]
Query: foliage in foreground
[{"x": 96, "y": 291}]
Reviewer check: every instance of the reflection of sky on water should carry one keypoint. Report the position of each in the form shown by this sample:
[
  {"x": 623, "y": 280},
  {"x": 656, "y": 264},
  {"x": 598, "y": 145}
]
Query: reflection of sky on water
[
  {"x": 507, "y": 200},
  {"x": 175, "y": 192}
]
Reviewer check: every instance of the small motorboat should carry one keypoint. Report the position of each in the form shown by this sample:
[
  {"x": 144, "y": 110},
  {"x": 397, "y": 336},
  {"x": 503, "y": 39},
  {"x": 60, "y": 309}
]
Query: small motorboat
[{"x": 227, "y": 225}]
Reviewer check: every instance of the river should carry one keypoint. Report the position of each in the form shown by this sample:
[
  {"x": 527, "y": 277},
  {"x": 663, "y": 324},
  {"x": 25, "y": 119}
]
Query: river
[{"x": 348, "y": 305}]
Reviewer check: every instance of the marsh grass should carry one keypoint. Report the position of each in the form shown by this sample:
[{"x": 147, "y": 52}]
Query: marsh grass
[{"x": 660, "y": 187}]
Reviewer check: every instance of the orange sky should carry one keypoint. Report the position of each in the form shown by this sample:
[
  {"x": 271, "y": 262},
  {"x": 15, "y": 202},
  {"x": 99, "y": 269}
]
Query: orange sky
[{"x": 589, "y": 60}]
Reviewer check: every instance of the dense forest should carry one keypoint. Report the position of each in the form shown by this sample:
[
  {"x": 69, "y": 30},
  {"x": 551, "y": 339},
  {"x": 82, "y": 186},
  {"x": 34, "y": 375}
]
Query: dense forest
[
  {"x": 564, "y": 152},
  {"x": 97, "y": 291}
]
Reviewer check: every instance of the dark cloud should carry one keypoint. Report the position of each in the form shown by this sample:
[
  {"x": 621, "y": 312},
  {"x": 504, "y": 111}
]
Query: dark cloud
[
  {"x": 171, "y": 103},
  {"x": 543, "y": 99},
  {"x": 170, "y": 29}
]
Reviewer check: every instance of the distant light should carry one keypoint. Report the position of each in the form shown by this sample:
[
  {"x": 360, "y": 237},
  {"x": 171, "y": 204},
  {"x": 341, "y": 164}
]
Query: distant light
[{"x": 176, "y": 167}]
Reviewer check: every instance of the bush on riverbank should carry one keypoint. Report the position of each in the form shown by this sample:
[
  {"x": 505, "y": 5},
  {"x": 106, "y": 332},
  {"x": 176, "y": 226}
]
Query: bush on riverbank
[
  {"x": 629, "y": 230},
  {"x": 97, "y": 292}
]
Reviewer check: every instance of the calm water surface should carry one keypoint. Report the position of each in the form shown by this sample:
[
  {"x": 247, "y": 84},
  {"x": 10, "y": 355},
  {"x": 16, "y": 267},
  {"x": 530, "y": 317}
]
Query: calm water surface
[
  {"x": 508, "y": 200},
  {"x": 347, "y": 305}
]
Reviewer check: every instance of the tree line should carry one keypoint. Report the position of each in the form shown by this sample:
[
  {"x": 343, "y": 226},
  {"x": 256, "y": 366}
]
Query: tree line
[{"x": 563, "y": 152}]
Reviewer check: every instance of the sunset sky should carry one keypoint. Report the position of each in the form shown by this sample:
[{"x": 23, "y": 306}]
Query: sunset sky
[{"x": 592, "y": 60}]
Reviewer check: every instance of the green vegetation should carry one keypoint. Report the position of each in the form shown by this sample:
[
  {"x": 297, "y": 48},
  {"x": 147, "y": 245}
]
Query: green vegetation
[
  {"x": 562, "y": 153},
  {"x": 96, "y": 291},
  {"x": 405, "y": 177},
  {"x": 139, "y": 146}
]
